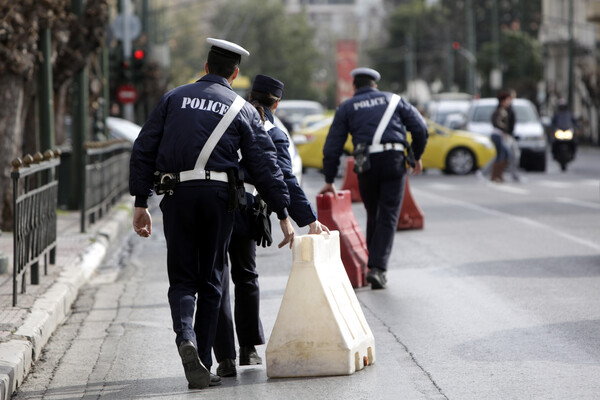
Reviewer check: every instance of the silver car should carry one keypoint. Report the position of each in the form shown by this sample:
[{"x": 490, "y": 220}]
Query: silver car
[{"x": 529, "y": 131}]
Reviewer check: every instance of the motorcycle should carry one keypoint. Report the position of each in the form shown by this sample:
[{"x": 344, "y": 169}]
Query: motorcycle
[{"x": 563, "y": 147}]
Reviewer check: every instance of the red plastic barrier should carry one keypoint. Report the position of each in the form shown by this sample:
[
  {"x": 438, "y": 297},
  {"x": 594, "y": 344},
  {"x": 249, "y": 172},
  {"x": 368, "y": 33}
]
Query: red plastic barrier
[
  {"x": 351, "y": 181},
  {"x": 336, "y": 214},
  {"x": 411, "y": 215}
]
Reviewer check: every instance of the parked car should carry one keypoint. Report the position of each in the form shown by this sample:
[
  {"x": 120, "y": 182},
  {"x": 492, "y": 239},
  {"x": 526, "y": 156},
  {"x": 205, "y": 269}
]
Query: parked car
[
  {"x": 529, "y": 131},
  {"x": 296, "y": 159},
  {"x": 453, "y": 151},
  {"x": 450, "y": 113},
  {"x": 120, "y": 128},
  {"x": 292, "y": 112}
]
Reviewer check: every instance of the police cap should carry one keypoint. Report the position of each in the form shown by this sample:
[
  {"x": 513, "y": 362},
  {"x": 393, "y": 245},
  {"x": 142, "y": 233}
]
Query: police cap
[
  {"x": 227, "y": 49},
  {"x": 368, "y": 72},
  {"x": 266, "y": 84}
]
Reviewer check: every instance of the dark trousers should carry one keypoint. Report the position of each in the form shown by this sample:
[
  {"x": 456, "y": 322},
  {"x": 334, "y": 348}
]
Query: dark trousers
[
  {"x": 197, "y": 227},
  {"x": 382, "y": 191},
  {"x": 248, "y": 326}
]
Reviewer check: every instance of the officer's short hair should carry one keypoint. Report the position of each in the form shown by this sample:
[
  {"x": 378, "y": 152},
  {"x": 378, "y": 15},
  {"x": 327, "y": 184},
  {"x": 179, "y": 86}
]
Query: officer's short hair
[
  {"x": 222, "y": 64},
  {"x": 363, "y": 80}
]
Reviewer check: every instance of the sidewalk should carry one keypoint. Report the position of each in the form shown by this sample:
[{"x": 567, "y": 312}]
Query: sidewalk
[{"x": 26, "y": 328}]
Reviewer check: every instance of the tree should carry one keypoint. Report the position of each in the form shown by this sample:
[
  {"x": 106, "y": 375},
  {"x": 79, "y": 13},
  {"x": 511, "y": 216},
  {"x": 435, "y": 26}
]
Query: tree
[
  {"x": 280, "y": 45},
  {"x": 427, "y": 32},
  {"x": 521, "y": 60},
  {"x": 73, "y": 40}
]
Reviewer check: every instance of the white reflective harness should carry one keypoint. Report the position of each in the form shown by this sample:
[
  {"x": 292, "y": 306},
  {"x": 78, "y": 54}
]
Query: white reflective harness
[
  {"x": 376, "y": 146},
  {"x": 199, "y": 172}
]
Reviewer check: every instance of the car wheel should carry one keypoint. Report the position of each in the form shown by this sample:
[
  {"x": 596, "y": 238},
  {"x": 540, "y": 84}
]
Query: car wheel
[
  {"x": 460, "y": 161},
  {"x": 535, "y": 162}
]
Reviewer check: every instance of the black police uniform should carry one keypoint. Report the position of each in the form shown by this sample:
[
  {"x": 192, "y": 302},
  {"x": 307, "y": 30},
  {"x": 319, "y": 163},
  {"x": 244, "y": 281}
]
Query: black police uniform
[
  {"x": 197, "y": 222},
  {"x": 382, "y": 186},
  {"x": 242, "y": 255}
]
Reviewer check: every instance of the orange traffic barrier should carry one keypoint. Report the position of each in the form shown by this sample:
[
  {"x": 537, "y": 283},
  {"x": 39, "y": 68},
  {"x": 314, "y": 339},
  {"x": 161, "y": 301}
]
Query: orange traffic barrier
[
  {"x": 336, "y": 214},
  {"x": 411, "y": 215},
  {"x": 351, "y": 181}
]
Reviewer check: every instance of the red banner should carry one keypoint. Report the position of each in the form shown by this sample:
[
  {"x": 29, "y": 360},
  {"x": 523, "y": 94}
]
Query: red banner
[{"x": 346, "y": 56}]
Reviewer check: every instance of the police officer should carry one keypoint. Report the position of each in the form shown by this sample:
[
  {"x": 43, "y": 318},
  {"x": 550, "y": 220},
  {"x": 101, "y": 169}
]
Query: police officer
[
  {"x": 181, "y": 140},
  {"x": 381, "y": 172},
  {"x": 264, "y": 96}
]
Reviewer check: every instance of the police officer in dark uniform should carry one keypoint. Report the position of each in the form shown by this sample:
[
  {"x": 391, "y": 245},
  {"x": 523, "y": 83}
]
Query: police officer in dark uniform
[
  {"x": 192, "y": 139},
  {"x": 265, "y": 95},
  {"x": 378, "y": 122}
]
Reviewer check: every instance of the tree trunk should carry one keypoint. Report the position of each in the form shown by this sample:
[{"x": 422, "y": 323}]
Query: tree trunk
[{"x": 12, "y": 97}]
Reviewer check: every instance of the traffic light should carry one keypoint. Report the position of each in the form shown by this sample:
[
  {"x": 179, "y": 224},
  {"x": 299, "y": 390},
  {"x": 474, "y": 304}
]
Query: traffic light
[
  {"x": 138, "y": 67},
  {"x": 456, "y": 45}
]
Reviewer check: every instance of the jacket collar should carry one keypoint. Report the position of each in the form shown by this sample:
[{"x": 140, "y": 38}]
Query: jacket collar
[
  {"x": 365, "y": 89},
  {"x": 216, "y": 79}
]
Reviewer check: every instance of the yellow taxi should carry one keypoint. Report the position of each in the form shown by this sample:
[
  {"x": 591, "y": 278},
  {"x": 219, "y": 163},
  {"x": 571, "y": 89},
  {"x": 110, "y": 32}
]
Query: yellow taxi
[{"x": 453, "y": 151}]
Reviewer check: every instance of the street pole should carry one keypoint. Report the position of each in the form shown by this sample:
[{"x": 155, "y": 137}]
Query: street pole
[
  {"x": 79, "y": 131},
  {"x": 46, "y": 93},
  {"x": 470, "y": 20},
  {"x": 571, "y": 51},
  {"x": 126, "y": 4}
]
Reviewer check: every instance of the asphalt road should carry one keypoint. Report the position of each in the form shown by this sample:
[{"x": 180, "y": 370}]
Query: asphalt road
[{"x": 496, "y": 298}]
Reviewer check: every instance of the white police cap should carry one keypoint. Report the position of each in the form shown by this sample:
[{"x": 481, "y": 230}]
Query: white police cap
[
  {"x": 366, "y": 71},
  {"x": 228, "y": 46}
]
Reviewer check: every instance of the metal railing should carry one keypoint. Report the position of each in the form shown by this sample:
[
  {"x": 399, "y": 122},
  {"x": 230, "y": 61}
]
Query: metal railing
[
  {"x": 35, "y": 196},
  {"x": 106, "y": 178}
]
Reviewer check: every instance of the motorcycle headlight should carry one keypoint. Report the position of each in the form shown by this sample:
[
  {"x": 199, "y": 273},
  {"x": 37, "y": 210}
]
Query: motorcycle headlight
[{"x": 563, "y": 135}]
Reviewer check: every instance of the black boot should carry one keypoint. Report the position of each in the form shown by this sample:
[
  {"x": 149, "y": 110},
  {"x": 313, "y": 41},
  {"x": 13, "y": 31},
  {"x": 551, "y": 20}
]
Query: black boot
[
  {"x": 226, "y": 368},
  {"x": 249, "y": 356},
  {"x": 376, "y": 277}
]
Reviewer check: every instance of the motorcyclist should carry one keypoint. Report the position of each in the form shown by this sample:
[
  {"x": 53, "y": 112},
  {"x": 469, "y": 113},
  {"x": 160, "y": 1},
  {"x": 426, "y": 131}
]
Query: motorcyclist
[
  {"x": 563, "y": 118},
  {"x": 564, "y": 145}
]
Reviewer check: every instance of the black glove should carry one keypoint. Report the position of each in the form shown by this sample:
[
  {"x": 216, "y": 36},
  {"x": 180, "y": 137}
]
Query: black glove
[{"x": 262, "y": 222}]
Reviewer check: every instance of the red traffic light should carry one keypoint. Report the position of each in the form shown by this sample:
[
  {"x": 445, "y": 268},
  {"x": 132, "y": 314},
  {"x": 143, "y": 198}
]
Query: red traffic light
[
  {"x": 456, "y": 45},
  {"x": 139, "y": 54}
]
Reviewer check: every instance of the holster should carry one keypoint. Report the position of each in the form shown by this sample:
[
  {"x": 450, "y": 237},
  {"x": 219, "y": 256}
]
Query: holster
[
  {"x": 164, "y": 183},
  {"x": 361, "y": 158},
  {"x": 410, "y": 156},
  {"x": 235, "y": 189}
]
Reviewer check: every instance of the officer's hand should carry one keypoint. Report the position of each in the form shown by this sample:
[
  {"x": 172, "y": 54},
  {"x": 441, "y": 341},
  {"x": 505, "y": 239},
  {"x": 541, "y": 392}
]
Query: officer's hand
[
  {"x": 328, "y": 188},
  {"x": 288, "y": 232},
  {"x": 142, "y": 222},
  {"x": 418, "y": 168},
  {"x": 316, "y": 228}
]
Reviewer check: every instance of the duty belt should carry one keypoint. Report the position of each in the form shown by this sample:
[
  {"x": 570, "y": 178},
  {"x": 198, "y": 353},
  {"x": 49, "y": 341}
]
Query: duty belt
[
  {"x": 378, "y": 148},
  {"x": 250, "y": 189},
  {"x": 165, "y": 181}
]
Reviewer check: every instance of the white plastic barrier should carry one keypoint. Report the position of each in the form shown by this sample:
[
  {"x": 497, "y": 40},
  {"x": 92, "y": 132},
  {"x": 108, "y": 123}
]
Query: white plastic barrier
[{"x": 320, "y": 328}]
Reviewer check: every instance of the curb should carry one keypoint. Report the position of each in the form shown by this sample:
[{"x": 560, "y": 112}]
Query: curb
[{"x": 50, "y": 310}]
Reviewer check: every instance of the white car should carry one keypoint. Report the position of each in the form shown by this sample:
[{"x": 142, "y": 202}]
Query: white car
[
  {"x": 529, "y": 131},
  {"x": 120, "y": 128},
  {"x": 296, "y": 159},
  {"x": 294, "y": 111}
]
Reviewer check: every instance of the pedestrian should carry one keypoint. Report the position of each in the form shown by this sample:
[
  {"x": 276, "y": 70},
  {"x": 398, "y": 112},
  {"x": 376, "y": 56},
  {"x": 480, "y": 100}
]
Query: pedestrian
[
  {"x": 265, "y": 95},
  {"x": 514, "y": 154},
  {"x": 500, "y": 136},
  {"x": 191, "y": 140},
  {"x": 378, "y": 122}
]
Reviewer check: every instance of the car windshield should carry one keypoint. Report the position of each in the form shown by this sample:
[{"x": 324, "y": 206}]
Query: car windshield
[
  {"x": 523, "y": 113},
  {"x": 483, "y": 113}
]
